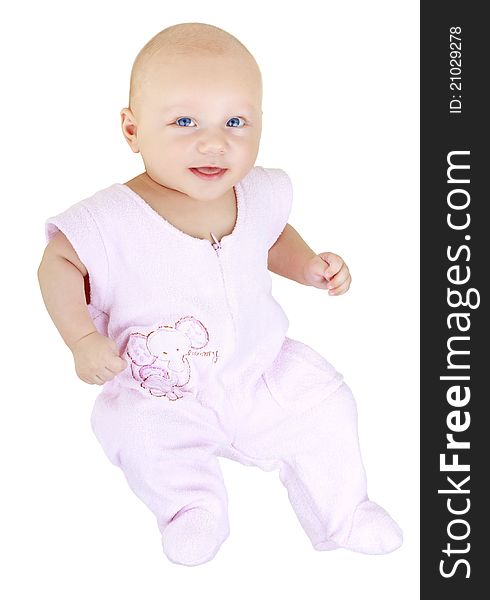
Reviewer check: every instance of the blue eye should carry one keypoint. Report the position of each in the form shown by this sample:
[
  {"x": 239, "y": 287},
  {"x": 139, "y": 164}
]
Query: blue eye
[
  {"x": 185, "y": 121},
  {"x": 188, "y": 122},
  {"x": 236, "y": 122}
]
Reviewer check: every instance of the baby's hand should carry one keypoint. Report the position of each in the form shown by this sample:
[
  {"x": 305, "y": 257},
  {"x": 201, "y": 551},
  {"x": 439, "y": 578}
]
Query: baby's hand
[
  {"x": 328, "y": 271},
  {"x": 96, "y": 358}
]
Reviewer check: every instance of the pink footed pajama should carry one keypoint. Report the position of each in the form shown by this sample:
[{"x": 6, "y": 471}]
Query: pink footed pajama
[{"x": 211, "y": 373}]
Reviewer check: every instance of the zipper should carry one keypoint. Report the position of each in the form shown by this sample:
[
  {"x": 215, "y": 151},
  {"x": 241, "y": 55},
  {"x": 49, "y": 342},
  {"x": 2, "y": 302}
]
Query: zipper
[
  {"x": 217, "y": 248},
  {"x": 216, "y": 245}
]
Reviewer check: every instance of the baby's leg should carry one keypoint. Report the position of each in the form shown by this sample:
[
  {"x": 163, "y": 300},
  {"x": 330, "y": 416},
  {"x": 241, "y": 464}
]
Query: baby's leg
[
  {"x": 166, "y": 451},
  {"x": 303, "y": 418},
  {"x": 326, "y": 481}
]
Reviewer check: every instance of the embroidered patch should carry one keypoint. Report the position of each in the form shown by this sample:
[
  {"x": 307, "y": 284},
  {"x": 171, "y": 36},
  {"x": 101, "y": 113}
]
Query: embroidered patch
[{"x": 159, "y": 358}]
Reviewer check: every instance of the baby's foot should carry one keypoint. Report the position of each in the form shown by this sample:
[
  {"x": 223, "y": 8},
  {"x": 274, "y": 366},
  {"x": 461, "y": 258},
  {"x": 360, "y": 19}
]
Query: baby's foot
[
  {"x": 373, "y": 531},
  {"x": 192, "y": 538}
]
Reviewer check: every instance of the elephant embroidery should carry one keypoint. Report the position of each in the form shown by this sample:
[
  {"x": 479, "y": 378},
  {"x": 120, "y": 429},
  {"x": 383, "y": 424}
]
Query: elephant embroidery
[{"x": 158, "y": 359}]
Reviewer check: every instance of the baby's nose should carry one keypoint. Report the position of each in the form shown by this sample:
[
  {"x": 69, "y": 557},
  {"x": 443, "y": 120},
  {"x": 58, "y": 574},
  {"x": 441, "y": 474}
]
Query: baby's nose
[{"x": 212, "y": 145}]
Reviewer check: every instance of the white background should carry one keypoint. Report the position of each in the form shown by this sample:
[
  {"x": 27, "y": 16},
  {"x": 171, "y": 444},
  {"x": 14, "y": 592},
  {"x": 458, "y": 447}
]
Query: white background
[{"x": 341, "y": 117}]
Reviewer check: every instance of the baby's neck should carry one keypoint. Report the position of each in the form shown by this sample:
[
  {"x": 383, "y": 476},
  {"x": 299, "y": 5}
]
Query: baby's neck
[{"x": 191, "y": 216}]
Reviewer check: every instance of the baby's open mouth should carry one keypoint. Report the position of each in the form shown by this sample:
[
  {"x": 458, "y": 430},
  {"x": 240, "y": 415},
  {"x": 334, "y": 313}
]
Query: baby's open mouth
[
  {"x": 208, "y": 173},
  {"x": 208, "y": 170}
]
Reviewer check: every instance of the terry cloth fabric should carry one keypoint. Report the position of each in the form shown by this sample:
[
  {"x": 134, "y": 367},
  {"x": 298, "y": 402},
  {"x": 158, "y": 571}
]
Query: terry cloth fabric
[{"x": 211, "y": 372}]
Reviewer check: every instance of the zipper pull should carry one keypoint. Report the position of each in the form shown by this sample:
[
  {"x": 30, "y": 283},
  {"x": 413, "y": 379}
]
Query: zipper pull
[{"x": 216, "y": 245}]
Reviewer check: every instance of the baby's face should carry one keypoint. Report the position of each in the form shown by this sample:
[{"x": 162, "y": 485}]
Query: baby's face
[{"x": 199, "y": 112}]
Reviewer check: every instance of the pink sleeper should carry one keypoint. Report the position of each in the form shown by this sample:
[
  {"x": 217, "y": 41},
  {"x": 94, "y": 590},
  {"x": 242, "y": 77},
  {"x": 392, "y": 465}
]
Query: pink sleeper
[{"x": 211, "y": 373}]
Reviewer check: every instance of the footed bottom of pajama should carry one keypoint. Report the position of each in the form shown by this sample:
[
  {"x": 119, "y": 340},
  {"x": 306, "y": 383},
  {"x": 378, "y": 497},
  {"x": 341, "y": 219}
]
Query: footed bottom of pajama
[
  {"x": 192, "y": 538},
  {"x": 168, "y": 452},
  {"x": 373, "y": 531}
]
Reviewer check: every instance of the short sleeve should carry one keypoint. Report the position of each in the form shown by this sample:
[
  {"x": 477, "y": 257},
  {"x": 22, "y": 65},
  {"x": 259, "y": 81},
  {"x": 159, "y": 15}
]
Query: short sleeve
[
  {"x": 80, "y": 227},
  {"x": 282, "y": 200}
]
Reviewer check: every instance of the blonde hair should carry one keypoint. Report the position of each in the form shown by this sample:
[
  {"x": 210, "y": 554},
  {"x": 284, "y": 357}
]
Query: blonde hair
[{"x": 183, "y": 39}]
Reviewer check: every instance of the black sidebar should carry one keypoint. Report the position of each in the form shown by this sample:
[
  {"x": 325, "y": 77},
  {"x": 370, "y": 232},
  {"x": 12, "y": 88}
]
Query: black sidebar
[{"x": 455, "y": 332}]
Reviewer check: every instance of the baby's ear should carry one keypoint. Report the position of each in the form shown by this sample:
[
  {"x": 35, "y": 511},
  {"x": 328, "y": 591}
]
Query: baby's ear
[{"x": 128, "y": 126}]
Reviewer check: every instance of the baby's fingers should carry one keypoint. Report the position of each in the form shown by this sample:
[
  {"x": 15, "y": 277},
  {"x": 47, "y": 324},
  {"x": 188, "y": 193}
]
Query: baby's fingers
[
  {"x": 335, "y": 264},
  {"x": 340, "y": 283},
  {"x": 117, "y": 364},
  {"x": 338, "y": 291},
  {"x": 98, "y": 378},
  {"x": 341, "y": 289}
]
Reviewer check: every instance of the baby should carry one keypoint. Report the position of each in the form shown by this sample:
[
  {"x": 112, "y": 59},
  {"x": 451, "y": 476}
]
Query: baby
[{"x": 160, "y": 287}]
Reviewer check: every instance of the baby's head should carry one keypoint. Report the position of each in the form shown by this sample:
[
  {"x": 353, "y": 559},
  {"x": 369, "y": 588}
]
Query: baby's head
[{"x": 195, "y": 101}]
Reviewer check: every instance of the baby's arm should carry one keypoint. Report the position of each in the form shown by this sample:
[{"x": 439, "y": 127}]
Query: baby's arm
[
  {"x": 291, "y": 257},
  {"x": 61, "y": 278}
]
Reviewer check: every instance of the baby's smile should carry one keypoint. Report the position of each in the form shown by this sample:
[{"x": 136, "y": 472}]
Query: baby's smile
[{"x": 208, "y": 173}]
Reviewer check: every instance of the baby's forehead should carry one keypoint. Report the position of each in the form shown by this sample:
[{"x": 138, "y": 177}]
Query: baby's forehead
[
  {"x": 191, "y": 79},
  {"x": 209, "y": 103},
  {"x": 203, "y": 66}
]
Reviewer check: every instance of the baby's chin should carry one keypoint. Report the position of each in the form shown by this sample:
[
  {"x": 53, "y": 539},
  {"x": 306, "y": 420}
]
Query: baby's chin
[
  {"x": 204, "y": 191},
  {"x": 203, "y": 187}
]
